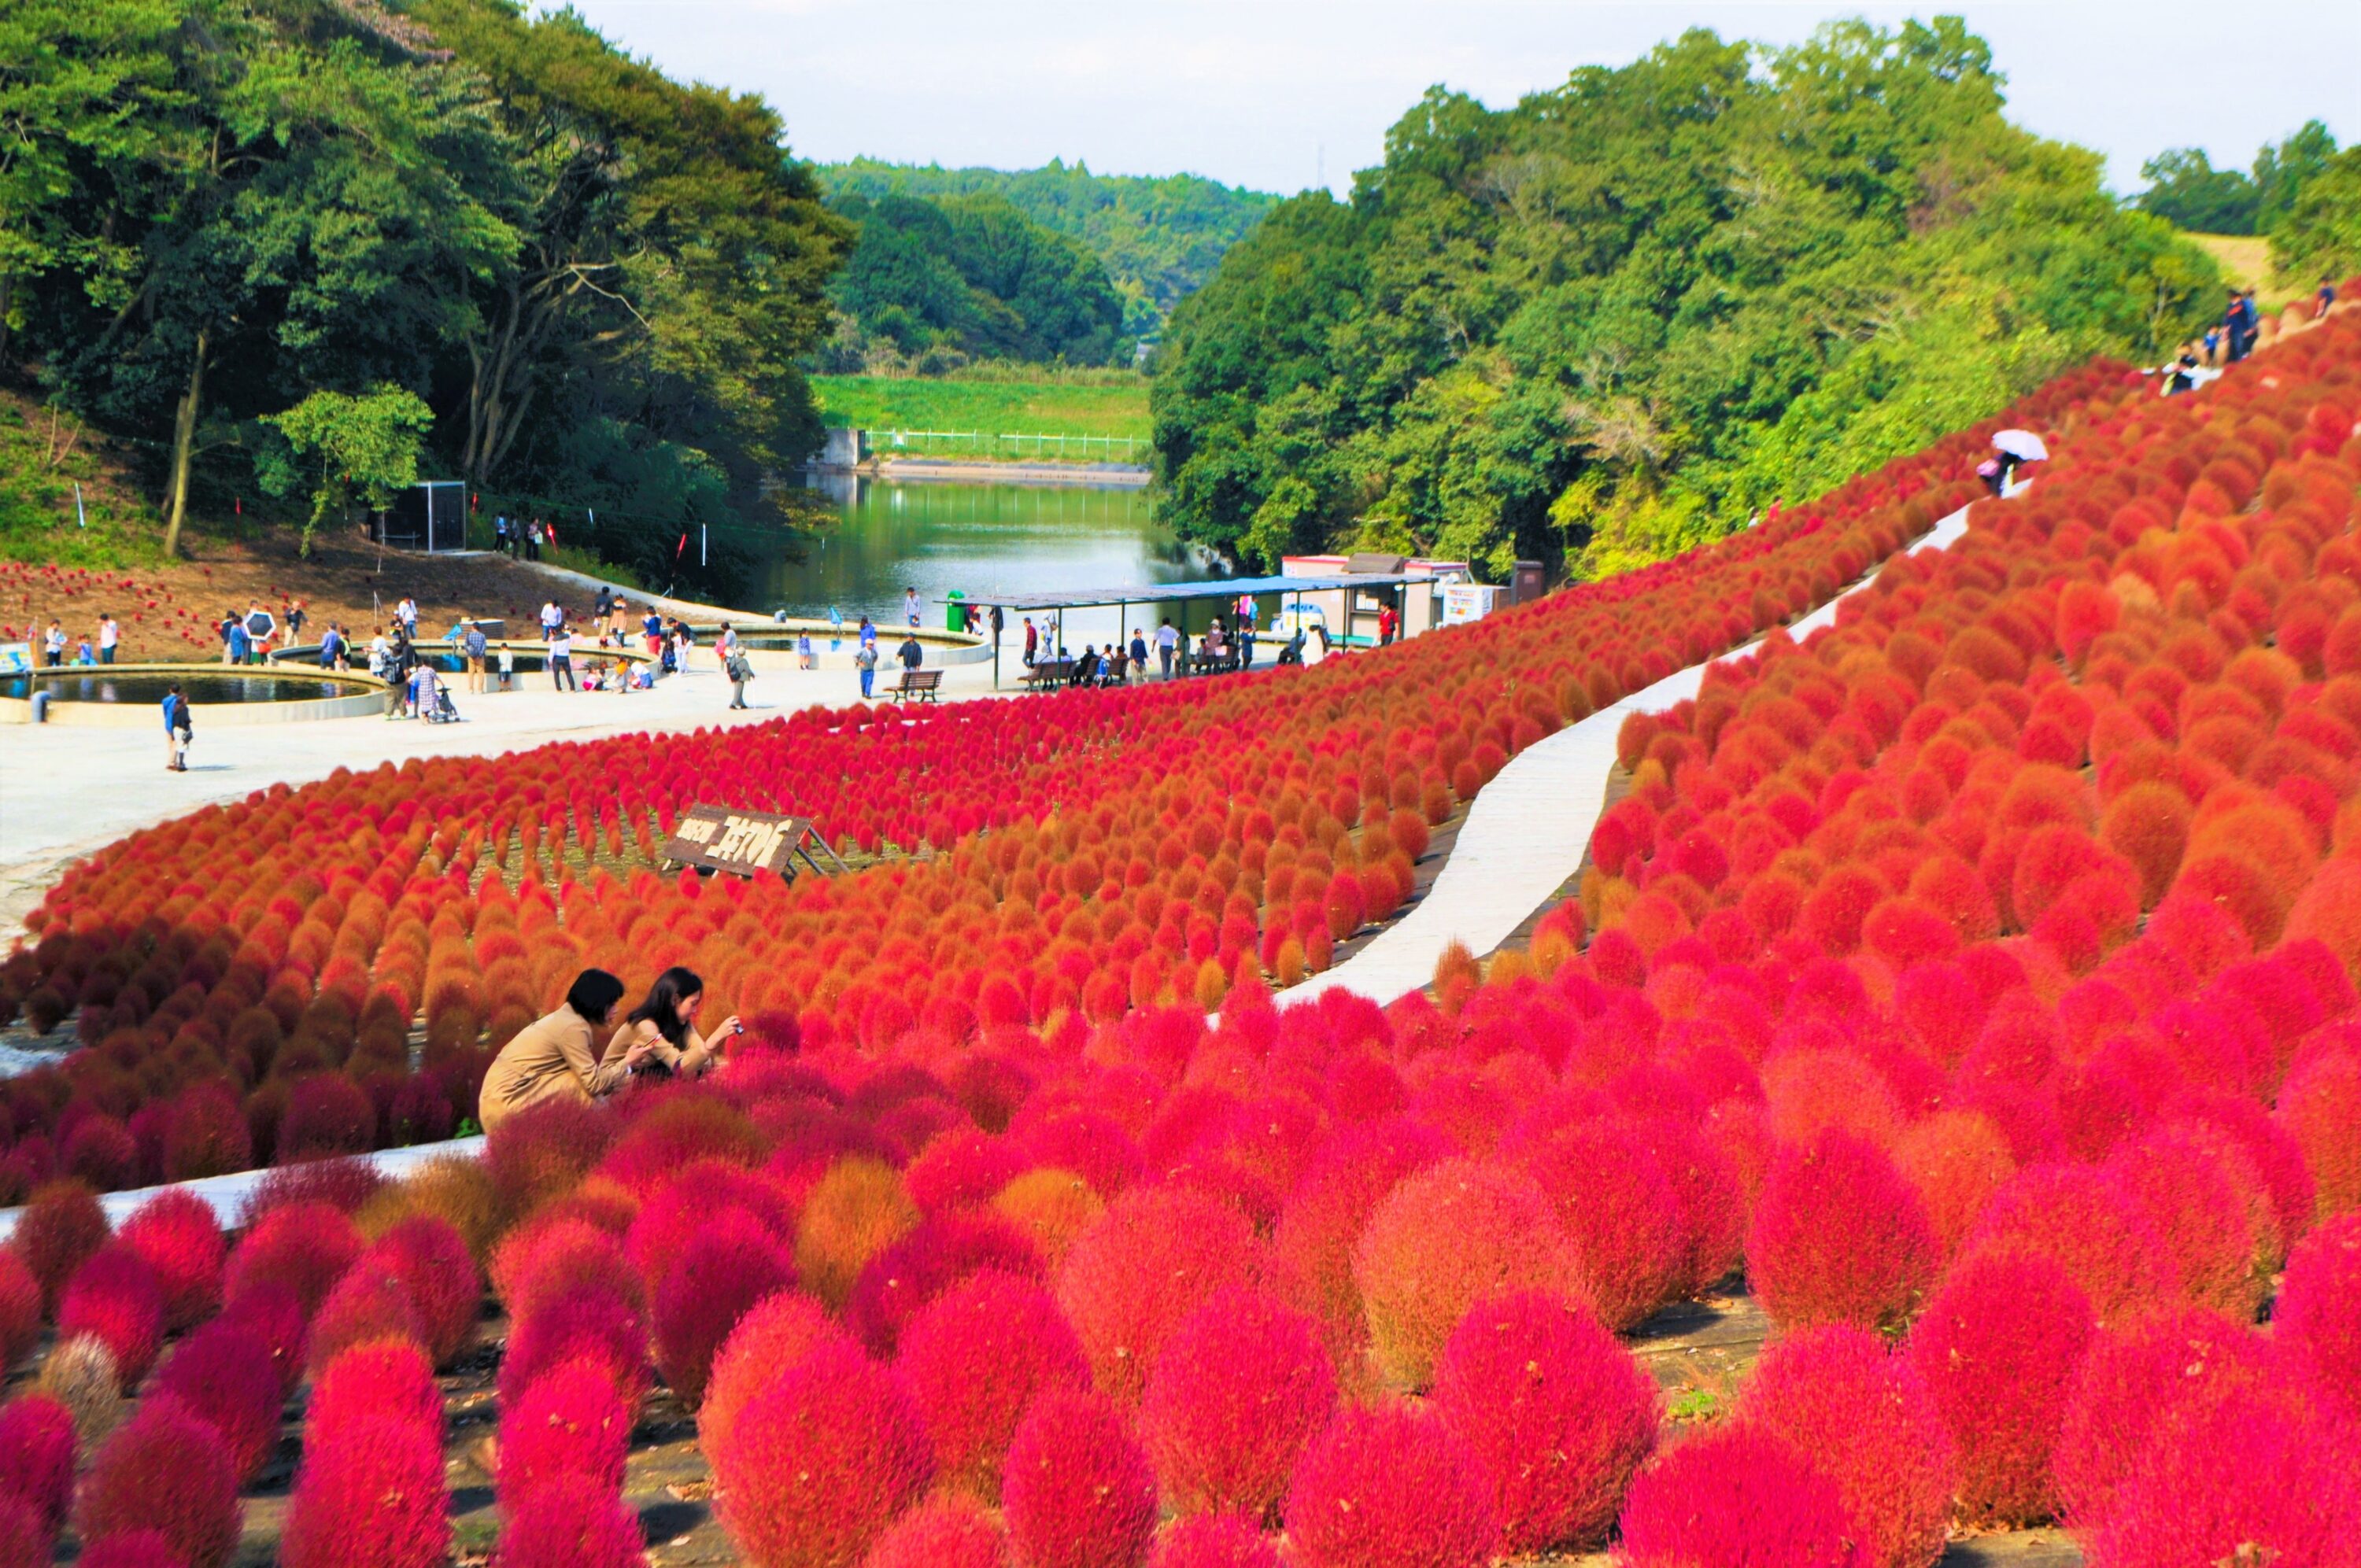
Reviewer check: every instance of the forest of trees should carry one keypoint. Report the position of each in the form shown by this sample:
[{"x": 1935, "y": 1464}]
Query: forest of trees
[
  {"x": 933, "y": 283},
  {"x": 251, "y": 233},
  {"x": 2185, "y": 189},
  {"x": 1159, "y": 237},
  {"x": 1624, "y": 315}
]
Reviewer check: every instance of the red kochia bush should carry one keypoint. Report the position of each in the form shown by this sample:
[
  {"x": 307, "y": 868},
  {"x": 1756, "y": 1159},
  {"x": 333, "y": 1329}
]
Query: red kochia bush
[
  {"x": 781, "y": 1330},
  {"x": 164, "y": 1471},
  {"x": 388, "y": 1379},
  {"x": 1616, "y": 1206},
  {"x": 367, "y": 1304},
  {"x": 1999, "y": 1348},
  {"x": 24, "y": 1542},
  {"x": 2084, "y": 1219},
  {"x": 37, "y": 1456},
  {"x": 430, "y": 1257},
  {"x": 1864, "y": 1418},
  {"x": 725, "y": 1270},
  {"x": 569, "y": 1522},
  {"x": 2137, "y": 1381},
  {"x": 305, "y": 1247},
  {"x": 2254, "y": 1478},
  {"x": 1077, "y": 1491},
  {"x": 129, "y": 1549},
  {"x": 1838, "y": 1236},
  {"x": 1444, "y": 1239},
  {"x": 1131, "y": 1278},
  {"x": 224, "y": 1375},
  {"x": 113, "y": 1299},
  {"x": 1557, "y": 1414},
  {"x": 1214, "y": 1541},
  {"x": 20, "y": 1308},
  {"x": 369, "y": 1494},
  {"x": 598, "y": 1325},
  {"x": 179, "y": 1235},
  {"x": 61, "y": 1227},
  {"x": 942, "y": 1250},
  {"x": 1737, "y": 1497},
  {"x": 943, "y": 1532},
  {"x": 570, "y": 1422},
  {"x": 1387, "y": 1487},
  {"x": 1241, "y": 1386},
  {"x": 820, "y": 1461},
  {"x": 2319, "y": 1314},
  {"x": 976, "y": 1359}
]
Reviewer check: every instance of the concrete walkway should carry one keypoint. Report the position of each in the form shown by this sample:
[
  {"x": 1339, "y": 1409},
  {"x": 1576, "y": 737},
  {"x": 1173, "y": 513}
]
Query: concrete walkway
[
  {"x": 1527, "y": 832},
  {"x": 226, "y": 1195}
]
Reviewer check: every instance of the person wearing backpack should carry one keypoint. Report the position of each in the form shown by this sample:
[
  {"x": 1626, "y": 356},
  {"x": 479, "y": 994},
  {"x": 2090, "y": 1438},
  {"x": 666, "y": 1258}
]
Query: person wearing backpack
[
  {"x": 178, "y": 731},
  {"x": 739, "y": 671}
]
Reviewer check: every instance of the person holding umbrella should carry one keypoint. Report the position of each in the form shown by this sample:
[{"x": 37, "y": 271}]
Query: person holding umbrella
[{"x": 2012, "y": 449}]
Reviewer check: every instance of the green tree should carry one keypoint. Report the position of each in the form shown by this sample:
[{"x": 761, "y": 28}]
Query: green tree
[
  {"x": 366, "y": 448},
  {"x": 2186, "y": 191},
  {"x": 2320, "y": 233},
  {"x": 2281, "y": 172}
]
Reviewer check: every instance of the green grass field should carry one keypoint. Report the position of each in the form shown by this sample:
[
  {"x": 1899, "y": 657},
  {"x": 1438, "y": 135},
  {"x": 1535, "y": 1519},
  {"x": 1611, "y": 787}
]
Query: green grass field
[
  {"x": 1102, "y": 403},
  {"x": 2246, "y": 259}
]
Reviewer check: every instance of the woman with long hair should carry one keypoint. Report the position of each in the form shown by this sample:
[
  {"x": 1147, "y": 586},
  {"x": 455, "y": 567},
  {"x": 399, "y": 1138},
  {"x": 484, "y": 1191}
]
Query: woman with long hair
[
  {"x": 550, "y": 1058},
  {"x": 661, "y": 1032}
]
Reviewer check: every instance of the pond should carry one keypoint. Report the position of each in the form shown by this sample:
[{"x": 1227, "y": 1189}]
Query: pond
[
  {"x": 201, "y": 685},
  {"x": 976, "y": 539}
]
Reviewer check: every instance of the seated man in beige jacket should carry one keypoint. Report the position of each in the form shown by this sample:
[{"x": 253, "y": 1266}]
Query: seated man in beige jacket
[
  {"x": 551, "y": 1057},
  {"x": 662, "y": 1030}
]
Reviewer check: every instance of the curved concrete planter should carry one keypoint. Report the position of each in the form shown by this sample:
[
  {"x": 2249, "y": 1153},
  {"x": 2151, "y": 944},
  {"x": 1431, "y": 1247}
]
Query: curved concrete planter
[{"x": 368, "y": 696}]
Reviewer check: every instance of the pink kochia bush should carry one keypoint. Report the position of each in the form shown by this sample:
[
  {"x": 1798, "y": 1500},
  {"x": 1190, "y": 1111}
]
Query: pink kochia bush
[
  {"x": 2320, "y": 1311},
  {"x": 1861, "y": 1417},
  {"x": 1077, "y": 1492},
  {"x": 780, "y": 1330},
  {"x": 388, "y": 1379},
  {"x": 1213, "y": 1540},
  {"x": 304, "y": 1246},
  {"x": 976, "y": 1359},
  {"x": 1146, "y": 1263},
  {"x": 430, "y": 1257},
  {"x": 1838, "y": 1236},
  {"x": 163, "y": 1470},
  {"x": 1557, "y": 1414},
  {"x": 226, "y": 1376},
  {"x": 1737, "y": 1497},
  {"x": 1241, "y": 1385},
  {"x": 20, "y": 1308},
  {"x": 369, "y": 1494},
  {"x": 2257, "y": 1477},
  {"x": 819, "y": 1464},
  {"x": 130, "y": 1548},
  {"x": 113, "y": 1299},
  {"x": 571, "y": 1423},
  {"x": 570, "y": 1522},
  {"x": 724, "y": 1270},
  {"x": 177, "y": 1234},
  {"x": 1388, "y": 1486},
  {"x": 2138, "y": 1381},
  {"x": 1999, "y": 1348},
  {"x": 37, "y": 1457},
  {"x": 948, "y": 1531}
]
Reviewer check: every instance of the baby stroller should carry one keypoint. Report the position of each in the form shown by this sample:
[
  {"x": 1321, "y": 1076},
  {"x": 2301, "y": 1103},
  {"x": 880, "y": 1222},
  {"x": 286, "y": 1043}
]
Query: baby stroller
[{"x": 441, "y": 712}]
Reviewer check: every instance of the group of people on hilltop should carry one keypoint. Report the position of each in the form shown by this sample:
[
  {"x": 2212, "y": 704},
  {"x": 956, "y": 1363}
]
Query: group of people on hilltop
[
  {"x": 2229, "y": 340},
  {"x": 520, "y": 538}
]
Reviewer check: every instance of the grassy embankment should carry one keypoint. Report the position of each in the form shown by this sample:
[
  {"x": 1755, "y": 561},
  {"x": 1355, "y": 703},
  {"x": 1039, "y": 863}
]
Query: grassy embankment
[
  {"x": 1096, "y": 410},
  {"x": 2245, "y": 260}
]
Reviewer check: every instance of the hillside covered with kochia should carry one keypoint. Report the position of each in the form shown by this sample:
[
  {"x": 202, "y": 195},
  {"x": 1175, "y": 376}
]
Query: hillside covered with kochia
[{"x": 1620, "y": 317}]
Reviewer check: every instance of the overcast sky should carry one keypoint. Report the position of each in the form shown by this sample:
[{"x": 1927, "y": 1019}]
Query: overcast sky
[{"x": 1276, "y": 94}]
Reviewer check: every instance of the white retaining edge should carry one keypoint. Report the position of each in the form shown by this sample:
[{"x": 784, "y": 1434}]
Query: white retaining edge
[
  {"x": 1529, "y": 828},
  {"x": 227, "y": 1194}
]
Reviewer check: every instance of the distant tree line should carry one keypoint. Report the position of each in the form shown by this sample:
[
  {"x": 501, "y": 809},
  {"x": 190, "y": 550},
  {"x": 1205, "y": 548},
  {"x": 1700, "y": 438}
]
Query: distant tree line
[
  {"x": 1626, "y": 314},
  {"x": 2302, "y": 193},
  {"x": 259, "y": 233}
]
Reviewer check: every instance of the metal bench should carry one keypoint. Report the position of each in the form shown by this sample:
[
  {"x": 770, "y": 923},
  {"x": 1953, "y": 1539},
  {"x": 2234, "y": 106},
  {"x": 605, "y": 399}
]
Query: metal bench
[
  {"x": 1048, "y": 675},
  {"x": 926, "y": 683}
]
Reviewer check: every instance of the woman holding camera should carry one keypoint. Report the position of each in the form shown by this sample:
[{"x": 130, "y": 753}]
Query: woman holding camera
[
  {"x": 659, "y": 1037},
  {"x": 551, "y": 1059}
]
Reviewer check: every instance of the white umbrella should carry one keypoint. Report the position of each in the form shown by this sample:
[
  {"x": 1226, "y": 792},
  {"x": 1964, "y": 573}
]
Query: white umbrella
[{"x": 2022, "y": 444}]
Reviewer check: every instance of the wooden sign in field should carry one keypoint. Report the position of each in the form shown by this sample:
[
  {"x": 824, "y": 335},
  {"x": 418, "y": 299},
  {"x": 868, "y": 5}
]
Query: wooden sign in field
[{"x": 722, "y": 838}]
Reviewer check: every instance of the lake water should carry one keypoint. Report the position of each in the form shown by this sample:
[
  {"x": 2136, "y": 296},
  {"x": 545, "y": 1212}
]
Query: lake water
[
  {"x": 201, "y": 687},
  {"x": 977, "y": 538}
]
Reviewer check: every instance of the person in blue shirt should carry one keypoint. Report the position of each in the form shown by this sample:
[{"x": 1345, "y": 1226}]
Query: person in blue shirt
[
  {"x": 240, "y": 645},
  {"x": 2325, "y": 297},
  {"x": 332, "y": 648},
  {"x": 177, "y": 729}
]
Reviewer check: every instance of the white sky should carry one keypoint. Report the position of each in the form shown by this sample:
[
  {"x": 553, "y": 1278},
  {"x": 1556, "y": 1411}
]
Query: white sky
[{"x": 1272, "y": 94}]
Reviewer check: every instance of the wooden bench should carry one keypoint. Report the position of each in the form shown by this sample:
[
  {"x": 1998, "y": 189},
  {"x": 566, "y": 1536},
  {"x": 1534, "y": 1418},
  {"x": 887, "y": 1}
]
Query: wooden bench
[
  {"x": 1048, "y": 675},
  {"x": 926, "y": 683}
]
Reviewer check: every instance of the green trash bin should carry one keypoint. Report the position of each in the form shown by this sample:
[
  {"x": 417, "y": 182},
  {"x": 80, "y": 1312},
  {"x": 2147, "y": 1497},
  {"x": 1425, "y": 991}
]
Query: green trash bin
[{"x": 955, "y": 611}]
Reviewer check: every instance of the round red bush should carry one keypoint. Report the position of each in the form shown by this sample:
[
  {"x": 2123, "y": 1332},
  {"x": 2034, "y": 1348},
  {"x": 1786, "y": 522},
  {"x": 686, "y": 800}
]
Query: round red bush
[
  {"x": 113, "y": 1299},
  {"x": 1737, "y": 1497},
  {"x": 226, "y": 1376},
  {"x": 1240, "y": 1388},
  {"x": 129, "y": 1549},
  {"x": 570, "y": 1521},
  {"x": 2253, "y": 1478},
  {"x": 179, "y": 1235},
  {"x": 61, "y": 1225},
  {"x": 327, "y": 1114},
  {"x": 595, "y": 1324},
  {"x": 276, "y": 1318},
  {"x": 388, "y": 1379},
  {"x": 780, "y": 1330},
  {"x": 1557, "y": 1413},
  {"x": 1838, "y": 1236},
  {"x": 570, "y": 1422},
  {"x": 2206, "y": 1224},
  {"x": 369, "y": 1494},
  {"x": 1213, "y": 1540},
  {"x": 723, "y": 1271},
  {"x": 164, "y": 1470},
  {"x": 2137, "y": 1381},
  {"x": 431, "y": 1258},
  {"x": 305, "y": 1247},
  {"x": 1616, "y": 1206},
  {"x": 1388, "y": 1486},
  {"x": 2319, "y": 1313},
  {"x": 1140, "y": 1268},
  {"x": 1999, "y": 1348},
  {"x": 367, "y": 1304},
  {"x": 20, "y": 1308},
  {"x": 2083, "y": 1218},
  {"x": 942, "y": 1250},
  {"x": 1077, "y": 1491},
  {"x": 37, "y": 1456},
  {"x": 1865, "y": 1418},
  {"x": 975, "y": 1358},
  {"x": 818, "y": 1463},
  {"x": 2320, "y": 1105},
  {"x": 949, "y": 1531},
  {"x": 1444, "y": 1238},
  {"x": 1323, "y": 1217}
]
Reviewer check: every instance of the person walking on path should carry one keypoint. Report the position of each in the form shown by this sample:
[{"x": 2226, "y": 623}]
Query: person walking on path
[
  {"x": 998, "y": 620},
  {"x": 53, "y": 645},
  {"x": 292, "y": 611},
  {"x": 1386, "y": 624},
  {"x": 109, "y": 635},
  {"x": 178, "y": 731},
  {"x": 501, "y": 533},
  {"x": 553, "y": 1057},
  {"x": 604, "y": 602},
  {"x": 2324, "y": 298},
  {"x": 332, "y": 648},
  {"x": 1139, "y": 658},
  {"x": 734, "y": 665},
  {"x": 561, "y": 660},
  {"x": 910, "y": 611},
  {"x": 864, "y": 659},
  {"x": 1167, "y": 641},
  {"x": 911, "y": 654},
  {"x": 478, "y": 646},
  {"x": 1032, "y": 639},
  {"x": 533, "y": 540}
]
